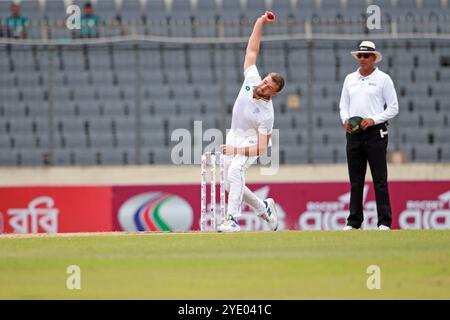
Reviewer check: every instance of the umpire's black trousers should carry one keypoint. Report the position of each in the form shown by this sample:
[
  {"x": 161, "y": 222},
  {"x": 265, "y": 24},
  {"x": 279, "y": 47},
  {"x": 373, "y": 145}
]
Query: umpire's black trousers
[{"x": 363, "y": 147}]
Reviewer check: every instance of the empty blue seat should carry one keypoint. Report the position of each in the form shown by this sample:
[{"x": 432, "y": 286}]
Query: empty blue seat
[{"x": 131, "y": 11}]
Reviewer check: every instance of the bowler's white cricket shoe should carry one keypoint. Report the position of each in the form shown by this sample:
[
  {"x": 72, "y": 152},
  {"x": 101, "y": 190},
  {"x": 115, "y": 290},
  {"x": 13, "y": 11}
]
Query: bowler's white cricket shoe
[
  {"x": 346, "y": 228},
  {"x": 271, "y": 214},
  {"x": 382, "y": 227},
  {"x": 229, "y": 225}
]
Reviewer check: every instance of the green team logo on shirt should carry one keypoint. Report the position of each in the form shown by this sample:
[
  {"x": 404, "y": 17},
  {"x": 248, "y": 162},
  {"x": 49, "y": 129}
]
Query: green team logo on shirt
[{"x": 247, "y": 88}]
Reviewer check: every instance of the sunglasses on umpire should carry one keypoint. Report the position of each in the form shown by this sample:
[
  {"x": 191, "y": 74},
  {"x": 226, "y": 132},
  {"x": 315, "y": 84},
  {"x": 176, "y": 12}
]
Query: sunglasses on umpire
[{"x": 365, "y": 55}]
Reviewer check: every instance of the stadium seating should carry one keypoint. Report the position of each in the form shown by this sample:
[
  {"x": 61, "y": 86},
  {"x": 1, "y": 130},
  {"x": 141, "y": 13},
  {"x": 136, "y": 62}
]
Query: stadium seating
[{"x": 117, "y": 104}]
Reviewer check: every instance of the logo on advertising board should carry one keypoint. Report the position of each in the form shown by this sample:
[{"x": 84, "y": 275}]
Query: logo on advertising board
[
  {"x": 155, "y": 211},
  {"x": 40, "y": 216},
  {"x": 426, "y": 214},
  {"x": 332, "y": 215},
  {"x": 249, "y": 221}
]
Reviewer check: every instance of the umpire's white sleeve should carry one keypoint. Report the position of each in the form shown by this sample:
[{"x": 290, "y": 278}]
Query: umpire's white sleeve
[
  {"x": 390, "y": 97},
  {"x": 344, "y": 104}
]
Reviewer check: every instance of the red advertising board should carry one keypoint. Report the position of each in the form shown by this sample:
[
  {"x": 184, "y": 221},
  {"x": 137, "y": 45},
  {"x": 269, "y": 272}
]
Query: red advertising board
[
  {"x": 301, "y": 206},
  {"x": 55, "y": 209}
]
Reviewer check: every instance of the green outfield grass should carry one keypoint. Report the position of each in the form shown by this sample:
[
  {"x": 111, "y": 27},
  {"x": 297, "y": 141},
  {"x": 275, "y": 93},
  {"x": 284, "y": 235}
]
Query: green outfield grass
[{"x": 265, "y": 265}]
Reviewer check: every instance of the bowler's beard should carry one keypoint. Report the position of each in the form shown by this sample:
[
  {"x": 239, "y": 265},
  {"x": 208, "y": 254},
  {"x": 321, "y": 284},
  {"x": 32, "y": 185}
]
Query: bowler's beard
[{"x": 258, "y": 95}]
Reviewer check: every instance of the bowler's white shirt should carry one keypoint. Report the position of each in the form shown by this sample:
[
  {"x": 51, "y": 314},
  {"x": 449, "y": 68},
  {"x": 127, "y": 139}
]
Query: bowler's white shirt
[
  {"x": 366, "y": 96},
  {"x": 250, "y": 115}
]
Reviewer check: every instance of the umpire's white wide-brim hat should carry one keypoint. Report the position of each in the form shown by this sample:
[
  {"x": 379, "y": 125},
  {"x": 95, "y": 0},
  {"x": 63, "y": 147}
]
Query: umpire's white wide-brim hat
[{"x": 368, "y": 47}]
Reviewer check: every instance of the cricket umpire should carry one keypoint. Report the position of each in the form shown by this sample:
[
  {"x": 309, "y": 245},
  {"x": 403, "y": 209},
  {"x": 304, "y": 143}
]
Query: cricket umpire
[{"x": 368, "y": 101}]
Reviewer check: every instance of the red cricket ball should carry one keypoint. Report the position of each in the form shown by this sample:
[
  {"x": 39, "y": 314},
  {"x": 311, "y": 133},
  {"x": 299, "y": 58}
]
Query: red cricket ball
[{"x": 270, "y": 16}]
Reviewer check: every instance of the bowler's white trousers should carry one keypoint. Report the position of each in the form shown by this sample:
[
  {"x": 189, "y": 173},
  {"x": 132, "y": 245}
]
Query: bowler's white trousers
[{"x": 235, "y": 168}]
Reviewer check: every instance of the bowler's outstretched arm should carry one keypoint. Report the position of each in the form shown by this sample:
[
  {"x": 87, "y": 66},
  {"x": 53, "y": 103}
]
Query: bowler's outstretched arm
[{"x": 254, "y": 41}]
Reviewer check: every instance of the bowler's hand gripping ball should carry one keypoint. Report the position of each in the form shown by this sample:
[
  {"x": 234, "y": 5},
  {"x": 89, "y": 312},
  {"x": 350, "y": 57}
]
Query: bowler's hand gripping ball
[{"x": 270, "y": 16}]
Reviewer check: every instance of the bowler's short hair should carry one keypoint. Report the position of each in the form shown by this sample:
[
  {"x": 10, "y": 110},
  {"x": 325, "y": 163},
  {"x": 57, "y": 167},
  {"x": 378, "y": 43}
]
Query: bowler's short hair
[{"x": 278, "y": 79}]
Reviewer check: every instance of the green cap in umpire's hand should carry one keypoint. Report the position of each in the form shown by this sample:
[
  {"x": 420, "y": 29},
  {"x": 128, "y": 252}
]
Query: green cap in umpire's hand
[{"x": 355, "y": 124}]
